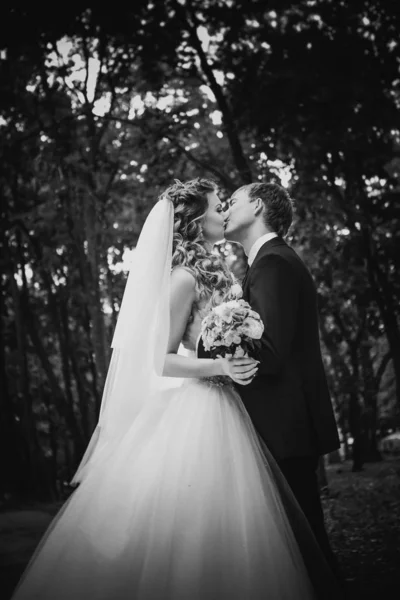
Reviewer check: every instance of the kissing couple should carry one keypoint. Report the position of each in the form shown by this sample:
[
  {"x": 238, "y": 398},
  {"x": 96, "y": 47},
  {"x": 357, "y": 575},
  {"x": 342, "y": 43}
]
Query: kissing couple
[{"x": 200, "y": 481}]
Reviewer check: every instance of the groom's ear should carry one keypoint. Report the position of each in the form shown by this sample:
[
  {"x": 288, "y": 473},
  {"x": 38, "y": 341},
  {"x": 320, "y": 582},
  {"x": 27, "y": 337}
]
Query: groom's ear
[{"x": 258, "y": 206}]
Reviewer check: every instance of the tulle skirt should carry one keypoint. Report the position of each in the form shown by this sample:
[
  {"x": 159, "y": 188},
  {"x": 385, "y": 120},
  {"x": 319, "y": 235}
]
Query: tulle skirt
[{"x": 187, "y": 507}]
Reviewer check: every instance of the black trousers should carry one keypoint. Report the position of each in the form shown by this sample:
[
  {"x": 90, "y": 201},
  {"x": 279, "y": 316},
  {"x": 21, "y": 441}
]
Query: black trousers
[{"x": 301, "y": 475}]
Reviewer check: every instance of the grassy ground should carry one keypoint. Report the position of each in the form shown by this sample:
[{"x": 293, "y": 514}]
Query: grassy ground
[
  {"x": 363, "y": 520},
  {"x": 362, "y": 514}
]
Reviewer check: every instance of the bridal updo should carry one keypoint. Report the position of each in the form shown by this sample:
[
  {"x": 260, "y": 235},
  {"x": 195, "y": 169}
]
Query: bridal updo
[{"x": 213, "y": 278}]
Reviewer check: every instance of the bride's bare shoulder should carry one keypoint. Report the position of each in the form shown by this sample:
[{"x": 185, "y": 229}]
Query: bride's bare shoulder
[
  {"x": 183, "y": 275},
  {"x": 183, "y": 281}
]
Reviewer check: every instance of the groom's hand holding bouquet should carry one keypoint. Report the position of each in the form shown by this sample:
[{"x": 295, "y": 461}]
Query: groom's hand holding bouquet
[{"x": 232, "y": 329}]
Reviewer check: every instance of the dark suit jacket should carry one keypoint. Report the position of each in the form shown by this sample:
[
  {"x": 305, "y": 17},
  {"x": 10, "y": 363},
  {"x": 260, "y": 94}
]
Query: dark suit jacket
[{"x": 288, "y": 401}]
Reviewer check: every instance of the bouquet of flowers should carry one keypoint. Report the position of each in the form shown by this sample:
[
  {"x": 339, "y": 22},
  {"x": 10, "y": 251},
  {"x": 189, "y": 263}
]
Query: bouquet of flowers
[{"x": 231, "y": 329}]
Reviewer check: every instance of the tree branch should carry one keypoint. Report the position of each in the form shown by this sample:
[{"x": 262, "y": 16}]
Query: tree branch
[
  {"x": 229, "y": 124},
  {"x": 194, "y": 159},
  {"x": 382, "y": 368}
]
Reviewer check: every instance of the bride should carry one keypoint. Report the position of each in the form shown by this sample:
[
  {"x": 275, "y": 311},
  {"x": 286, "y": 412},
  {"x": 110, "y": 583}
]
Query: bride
[{"x": 177, "y": 498}]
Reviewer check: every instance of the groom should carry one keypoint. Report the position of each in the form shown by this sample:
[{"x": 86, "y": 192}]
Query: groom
[{"x": 288, "y": 400}]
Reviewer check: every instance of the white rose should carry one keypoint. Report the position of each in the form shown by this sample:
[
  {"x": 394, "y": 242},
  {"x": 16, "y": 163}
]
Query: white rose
[
  {"x": 254, "y": 314},
  {"x": 229, "y": 339},
  {"x": 226, "y": 315},
  {"x": 217, "y": 330},
  {"x": 253, "y": 328},
  {"x": 233, "y": 304},
  {"x": 219, "y": 310}
]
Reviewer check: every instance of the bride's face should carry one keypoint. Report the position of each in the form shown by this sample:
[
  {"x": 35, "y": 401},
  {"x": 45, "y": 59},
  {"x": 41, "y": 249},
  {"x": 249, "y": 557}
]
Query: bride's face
[{"x": 213, "y": 222}]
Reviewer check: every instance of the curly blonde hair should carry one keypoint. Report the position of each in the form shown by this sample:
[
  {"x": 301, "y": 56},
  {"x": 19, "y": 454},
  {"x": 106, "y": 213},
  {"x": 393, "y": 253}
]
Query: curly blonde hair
[{"x": 212, "y": 275}]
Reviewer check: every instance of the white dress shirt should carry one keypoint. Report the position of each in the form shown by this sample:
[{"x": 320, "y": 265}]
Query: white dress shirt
[{"x": 257, "y": 245}]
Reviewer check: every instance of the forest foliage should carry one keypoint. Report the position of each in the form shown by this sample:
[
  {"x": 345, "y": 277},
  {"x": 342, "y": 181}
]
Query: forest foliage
[{"x": 101, "y": 110}]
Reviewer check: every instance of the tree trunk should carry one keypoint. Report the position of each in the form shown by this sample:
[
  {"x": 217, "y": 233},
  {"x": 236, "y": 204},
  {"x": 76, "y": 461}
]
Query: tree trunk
[
  {"x": 93, "y": 289},
  {"x": 355, "y": 410},
  {"x": 17, "y": 430},
  {"x": 190, "y": 23},
  {"x": 29, "y": 444},
  {"x": 10, "y": 451},
  {"x": 352, "y": 375},
  {"x": 383, "y": 292},
  {"x": 59, "y": 314},
  {"x": 83, "y": 396},
  {"x": 356, "y": 432},
  {"x": 94, "y": 379},
  {"x": 393, "y": 336},
  {"x": 77, "y": 248},
  {"x": 372, "y": 382},
  {"x": 65, "y": 408},
  {"x": 371, "y": 389},
  {"x": 387, "y": 303},
  {"x": 347, "y": 453},
  {"x": 110, "y": 290}
]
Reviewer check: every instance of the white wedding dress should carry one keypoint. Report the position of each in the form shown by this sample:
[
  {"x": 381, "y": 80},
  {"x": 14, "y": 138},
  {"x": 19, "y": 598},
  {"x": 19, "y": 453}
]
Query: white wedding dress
[{"x": 187, "y": 507}]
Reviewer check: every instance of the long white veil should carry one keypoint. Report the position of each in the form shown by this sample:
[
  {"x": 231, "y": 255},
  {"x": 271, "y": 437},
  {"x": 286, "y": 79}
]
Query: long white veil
[{"x": 140, "y": 338}]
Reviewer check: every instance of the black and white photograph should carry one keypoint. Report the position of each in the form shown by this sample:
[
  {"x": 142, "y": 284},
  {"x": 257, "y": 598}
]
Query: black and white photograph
[{"x": 200, "y": 300}]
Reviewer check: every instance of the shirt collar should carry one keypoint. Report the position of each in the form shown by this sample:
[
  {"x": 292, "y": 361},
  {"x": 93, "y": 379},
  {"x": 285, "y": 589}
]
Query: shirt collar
[{"x": 257, "y": 245}]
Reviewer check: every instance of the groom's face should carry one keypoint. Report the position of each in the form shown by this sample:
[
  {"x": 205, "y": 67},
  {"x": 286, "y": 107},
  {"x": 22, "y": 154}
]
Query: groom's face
[{"x": 239, "y": 216}]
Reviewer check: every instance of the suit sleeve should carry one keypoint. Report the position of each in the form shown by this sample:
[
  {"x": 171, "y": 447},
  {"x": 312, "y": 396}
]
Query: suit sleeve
[{"x": 274, "y": 294}]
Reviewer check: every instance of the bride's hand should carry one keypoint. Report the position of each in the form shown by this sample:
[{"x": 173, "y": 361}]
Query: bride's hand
[{"x": 241, "y": 370}]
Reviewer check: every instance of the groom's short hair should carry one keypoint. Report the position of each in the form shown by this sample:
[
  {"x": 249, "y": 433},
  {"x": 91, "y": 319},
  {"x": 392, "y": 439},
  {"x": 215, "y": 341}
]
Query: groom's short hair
[{"x": 278, "y": 213}]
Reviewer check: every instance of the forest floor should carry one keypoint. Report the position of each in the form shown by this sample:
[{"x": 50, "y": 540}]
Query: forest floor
[{"x": 362, "y": 516}]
